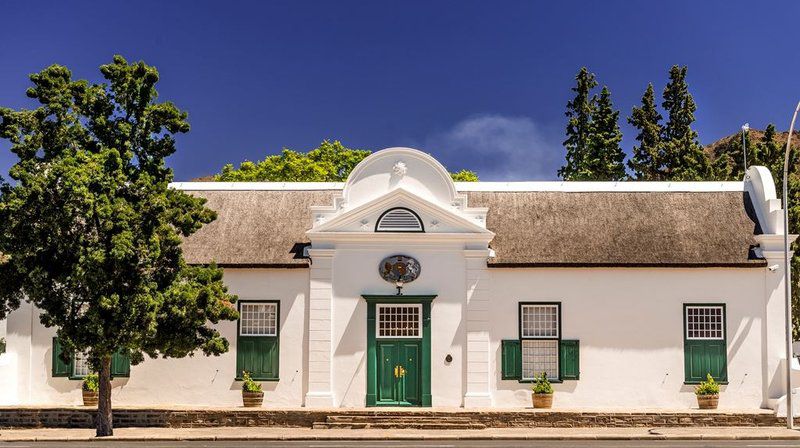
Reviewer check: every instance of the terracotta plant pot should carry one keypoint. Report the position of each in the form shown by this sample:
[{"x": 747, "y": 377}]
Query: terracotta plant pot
[
  {"x": 89, "y": 398},
  {"x": 708, "y": 401},
  {"x": 542, "y": 401},
  {"x": 252, "y": 399}
]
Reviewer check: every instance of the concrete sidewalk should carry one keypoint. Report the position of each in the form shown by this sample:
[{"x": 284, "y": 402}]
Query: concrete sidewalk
[{"x": 262, "y": 433}]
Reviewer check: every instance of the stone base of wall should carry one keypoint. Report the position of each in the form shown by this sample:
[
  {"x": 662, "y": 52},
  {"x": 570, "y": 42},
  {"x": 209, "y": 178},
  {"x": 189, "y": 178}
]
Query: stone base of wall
[{"x": 81, "y": 417}]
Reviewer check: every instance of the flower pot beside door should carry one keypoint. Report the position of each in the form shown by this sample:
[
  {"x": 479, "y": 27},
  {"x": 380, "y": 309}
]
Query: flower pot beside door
[
  {"x": 707, "y": 393},
  {"x": 89, "y": 388},
  {"x": 252, "y": 395},
  {"x": 542, "y": 393}
]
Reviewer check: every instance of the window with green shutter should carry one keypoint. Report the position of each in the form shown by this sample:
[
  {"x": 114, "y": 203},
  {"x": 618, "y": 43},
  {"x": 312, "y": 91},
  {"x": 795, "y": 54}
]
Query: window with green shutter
[
  {"x": 257, "y": 342},
  {"x": 704, "y": 342},
  {"x": 511, "y": 359},
  {"x": 540, "y": 347},
  {"x": 77, "y": 368}
]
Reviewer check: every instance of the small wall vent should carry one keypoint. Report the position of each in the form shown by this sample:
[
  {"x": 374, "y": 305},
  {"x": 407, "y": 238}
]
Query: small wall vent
[{"x": 399, "y": 219}]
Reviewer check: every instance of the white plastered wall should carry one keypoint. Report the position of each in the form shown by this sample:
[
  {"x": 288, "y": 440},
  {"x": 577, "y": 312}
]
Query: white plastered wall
[
  {"x": 356, "y": 273},
  {"x": 630, "y": 325},
  {"x": 198, "y": 380}
]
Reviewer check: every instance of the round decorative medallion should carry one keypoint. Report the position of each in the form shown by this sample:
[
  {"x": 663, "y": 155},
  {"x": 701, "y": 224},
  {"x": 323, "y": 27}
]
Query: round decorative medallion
[{"x": 399, "y": 269}]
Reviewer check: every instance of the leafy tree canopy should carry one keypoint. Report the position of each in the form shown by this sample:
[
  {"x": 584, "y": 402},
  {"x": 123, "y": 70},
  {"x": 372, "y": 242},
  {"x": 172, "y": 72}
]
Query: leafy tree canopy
[
  {"x": 90, "y": 231},
  {"x": 329, "y": 162}
]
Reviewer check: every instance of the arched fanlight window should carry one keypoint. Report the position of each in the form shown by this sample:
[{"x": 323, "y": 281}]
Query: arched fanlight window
[{"x": 399, "y": 219}]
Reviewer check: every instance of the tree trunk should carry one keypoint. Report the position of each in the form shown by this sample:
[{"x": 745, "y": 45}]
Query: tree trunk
[{"x": 105, "y": 424}]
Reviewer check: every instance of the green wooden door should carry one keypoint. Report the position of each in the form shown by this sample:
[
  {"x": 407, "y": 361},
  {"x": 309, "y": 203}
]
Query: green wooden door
[{"x": 399, "y": 372}]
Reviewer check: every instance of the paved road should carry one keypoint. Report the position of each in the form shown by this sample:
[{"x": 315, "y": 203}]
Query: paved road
[{"x": 414, "y": 444}]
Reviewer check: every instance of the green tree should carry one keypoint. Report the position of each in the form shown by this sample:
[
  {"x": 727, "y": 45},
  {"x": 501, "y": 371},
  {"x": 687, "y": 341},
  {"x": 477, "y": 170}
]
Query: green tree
[
  {"x": 579, "y": 112},
  {"x": 329, "y": 162},
  {"x": 647, "y": 160},
  {"x": 464, "y": 176},
  {"x": 605, "y": 159},
  {"x": 684, "y": 158},
  {"x": 90, "y": 232},
  {"x": 768, "y": 151}
]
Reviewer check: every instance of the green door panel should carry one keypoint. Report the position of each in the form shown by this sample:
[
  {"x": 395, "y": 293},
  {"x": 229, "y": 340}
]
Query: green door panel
[
  {"x": 410, "y": 380},
  {"x": 387, "y": 360}
]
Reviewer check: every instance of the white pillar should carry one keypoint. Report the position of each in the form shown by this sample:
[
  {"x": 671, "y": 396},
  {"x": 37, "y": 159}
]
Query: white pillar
[
  {"x": 319, "y": 329},
  {"x": 478, "y": 355},
  {"x": 774, "y": 317}
]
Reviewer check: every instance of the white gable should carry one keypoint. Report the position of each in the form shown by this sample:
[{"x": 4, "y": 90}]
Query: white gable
[{"x": 404, "y": 178}]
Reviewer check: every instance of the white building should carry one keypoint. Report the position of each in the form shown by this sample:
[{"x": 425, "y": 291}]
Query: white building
[{"x": 625, "y": 293}]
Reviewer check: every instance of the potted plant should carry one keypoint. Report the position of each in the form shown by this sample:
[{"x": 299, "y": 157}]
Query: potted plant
[
  {"x": 252, "y": 395},
  {"x": 542, "y": 392},
  {"x": 91, "y": 384},
  {"x": 707, "y": 393}
]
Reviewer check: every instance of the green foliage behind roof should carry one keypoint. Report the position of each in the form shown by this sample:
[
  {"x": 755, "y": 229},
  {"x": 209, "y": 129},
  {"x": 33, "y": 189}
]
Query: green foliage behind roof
[{"x": 329, "y": 162}]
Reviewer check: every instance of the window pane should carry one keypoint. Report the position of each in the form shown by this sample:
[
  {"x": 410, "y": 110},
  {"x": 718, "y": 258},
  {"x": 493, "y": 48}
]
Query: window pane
[
  {"x": 539, "y": 321},
  {"x": 258, "y": 319},
  {"x": 399, "y": 321},
  {"x": 705, "y": 322},
  {"x": 538, "y": 357},
  {"x": 81, "y": 365}
]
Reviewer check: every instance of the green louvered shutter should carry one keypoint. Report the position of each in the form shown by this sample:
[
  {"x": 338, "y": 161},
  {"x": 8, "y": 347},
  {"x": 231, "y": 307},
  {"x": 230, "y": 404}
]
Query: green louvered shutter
[
  {"x": 120, "y": 365},
  {"x": 569, "y": 359},
  {"x": 60, "y": 368},
  {"x": 511, "y": 359}
]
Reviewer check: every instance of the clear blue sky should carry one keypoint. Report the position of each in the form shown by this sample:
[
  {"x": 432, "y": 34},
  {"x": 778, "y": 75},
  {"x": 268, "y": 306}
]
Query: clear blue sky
[{"x": 479, "y": 84}]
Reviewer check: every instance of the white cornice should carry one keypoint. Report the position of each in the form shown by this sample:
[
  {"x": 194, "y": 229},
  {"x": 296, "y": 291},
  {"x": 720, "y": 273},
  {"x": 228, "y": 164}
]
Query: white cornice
[
  {"x": 256, "y": 186},
  {"x": 405, "y": 238},
  {"x": 572, "y": 187},
  {"x": 589, "y": 187}
]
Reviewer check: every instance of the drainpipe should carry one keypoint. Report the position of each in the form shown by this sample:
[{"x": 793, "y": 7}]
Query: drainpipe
[{"x": 787, "y": 277}]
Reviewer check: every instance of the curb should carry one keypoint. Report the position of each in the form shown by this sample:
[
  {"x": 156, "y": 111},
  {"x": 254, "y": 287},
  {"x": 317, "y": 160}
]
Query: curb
[{"x": 609, "y": 437}]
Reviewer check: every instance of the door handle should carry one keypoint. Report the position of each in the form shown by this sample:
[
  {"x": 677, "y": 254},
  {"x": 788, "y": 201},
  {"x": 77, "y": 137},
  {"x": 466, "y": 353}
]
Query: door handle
[
  {"x": 402, "y": 371},
  {"x": 396, "y": 371}
]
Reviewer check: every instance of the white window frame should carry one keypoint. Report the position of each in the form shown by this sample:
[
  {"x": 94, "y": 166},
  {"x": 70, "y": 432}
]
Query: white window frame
[
  {"x": 704, "y": 338},
  {"x": 555, "y": 306},
  {"x": 77, "y": 357},
  {"x": 272, "y": 304},
  {"x": 380, "y": 306},
  {"x": 553, "y": 376}
]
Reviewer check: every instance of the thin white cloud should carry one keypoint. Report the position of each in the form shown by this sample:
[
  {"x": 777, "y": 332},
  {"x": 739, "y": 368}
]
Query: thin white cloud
[{"x": 499, "y": 148}]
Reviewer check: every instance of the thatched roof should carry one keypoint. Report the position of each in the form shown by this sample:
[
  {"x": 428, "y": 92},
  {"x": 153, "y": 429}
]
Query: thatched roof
[
  {"x": 267, "y": 228},
  {"x": 620, "y": 228},
  {"x": 255, "y": 228}
]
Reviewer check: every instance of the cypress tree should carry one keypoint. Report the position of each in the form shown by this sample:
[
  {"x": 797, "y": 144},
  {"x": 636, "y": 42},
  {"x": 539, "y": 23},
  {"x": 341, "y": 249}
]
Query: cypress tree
[
  {"x": 684, "y": 156},
  {"x": 606, "y": 160},
  {"x": 579, "y": 111},
  {"x": 647, "y": 160}
]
